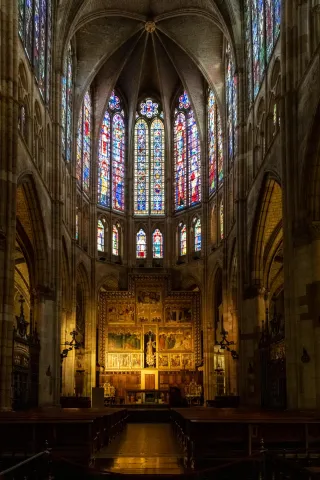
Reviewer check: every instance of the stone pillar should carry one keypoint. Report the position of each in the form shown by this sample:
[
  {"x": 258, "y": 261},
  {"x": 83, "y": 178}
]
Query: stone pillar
[
  {"x": 254, "y": 311},
  {"x": 8, "y": 159}
]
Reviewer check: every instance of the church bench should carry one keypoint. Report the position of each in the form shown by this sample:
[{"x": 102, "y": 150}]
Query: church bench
[
  {"x": 76, "y": 434},
  {"x": 205, "y": 433}
]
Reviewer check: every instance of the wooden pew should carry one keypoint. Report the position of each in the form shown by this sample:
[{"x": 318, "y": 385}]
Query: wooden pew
[
  {"x": 76, "y": 434},
  {"x": 226, "y": 433}
]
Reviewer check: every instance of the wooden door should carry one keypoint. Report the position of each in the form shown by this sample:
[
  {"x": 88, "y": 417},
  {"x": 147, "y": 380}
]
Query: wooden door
[{"x": 150, "y": 381}]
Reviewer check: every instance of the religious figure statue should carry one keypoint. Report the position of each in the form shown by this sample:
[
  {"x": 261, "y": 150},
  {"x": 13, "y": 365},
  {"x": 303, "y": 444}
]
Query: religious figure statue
[{"x": 150, "y": 355}]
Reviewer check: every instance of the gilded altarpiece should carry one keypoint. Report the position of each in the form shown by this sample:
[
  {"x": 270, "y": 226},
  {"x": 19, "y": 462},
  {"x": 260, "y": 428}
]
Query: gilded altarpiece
[{"x": 149, "y": 327}]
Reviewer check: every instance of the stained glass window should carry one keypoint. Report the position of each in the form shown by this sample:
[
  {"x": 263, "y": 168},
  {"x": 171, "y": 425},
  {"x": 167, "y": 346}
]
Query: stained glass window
[
  {"x": 215, "y": 144},
  {"x": 77, "y": 225},
  {"x": 262, "y": 28},
  {"x": 183, "y": 240},
  {"x": 141, "y": 241},
  {"x": 221, "y": 215},
  {"x": 35, "y": 30},
  {"x": 66, "y": 106},
  {"x": 100, "y": 236},
  {"x": 187, "y": 156},
  {"x": 149, "y": 108},
  {"x": 157, "y": 244},
  {"x": 149, "y": 170},
  {"x": 111, "y": 159},
  {"x": 115, "y": 240},
  {"x": 83, "y": 169},
  {"x": 197, "y": 235},
  {"x": 231, "y": 104}
]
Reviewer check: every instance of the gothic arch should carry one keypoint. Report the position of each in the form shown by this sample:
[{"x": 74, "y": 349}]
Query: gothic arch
[
  {"x": 267, "y": 228},
  {"x": 29, "y": 214}
]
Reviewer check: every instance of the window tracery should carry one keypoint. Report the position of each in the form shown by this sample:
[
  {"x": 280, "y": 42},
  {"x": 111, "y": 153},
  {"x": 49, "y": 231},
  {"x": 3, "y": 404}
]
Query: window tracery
[
  {"x": 67, "y": 105},
  {"x": 111, "y": 161},
  {"x": 149, "y": 160},
  {"x": 262, "y": 28},
  {"x": 231, "y": 104},
  {"x": 215, "y": 144},
  {"x": 187, "y": 156},
  {"x": 84, "y": 144},
  {"x": 35, "y": 30}
]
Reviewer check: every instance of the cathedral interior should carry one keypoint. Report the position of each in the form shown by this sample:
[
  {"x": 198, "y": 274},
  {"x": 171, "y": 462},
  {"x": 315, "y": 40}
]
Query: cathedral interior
[{"x": 160, "y": 216}]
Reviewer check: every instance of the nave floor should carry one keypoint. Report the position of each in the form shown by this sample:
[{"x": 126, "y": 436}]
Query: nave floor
[{"x": 142, "y": 448}]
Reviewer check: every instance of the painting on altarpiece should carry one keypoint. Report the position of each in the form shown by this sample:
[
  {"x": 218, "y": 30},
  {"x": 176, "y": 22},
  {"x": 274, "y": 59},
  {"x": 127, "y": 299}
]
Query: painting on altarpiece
[
  {"x": 122, "y": 339},
  {"x": 175, "y": 339}
]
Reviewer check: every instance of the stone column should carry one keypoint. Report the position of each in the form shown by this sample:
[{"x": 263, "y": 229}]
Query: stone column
[{"x": 8, "y": 159}]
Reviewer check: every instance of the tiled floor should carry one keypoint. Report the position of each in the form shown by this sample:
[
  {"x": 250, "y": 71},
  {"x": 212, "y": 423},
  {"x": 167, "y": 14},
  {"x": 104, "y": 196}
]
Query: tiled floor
[{"x": 146, "y": 448}]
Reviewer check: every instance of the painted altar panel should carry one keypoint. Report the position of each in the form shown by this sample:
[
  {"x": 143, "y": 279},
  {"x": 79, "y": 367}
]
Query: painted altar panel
[
  {"x": 175, "y": 339},
  {"x": 149, "y": 326},
  {"x": 124, "y": 339},
  {"x": 120, "y": 312}
]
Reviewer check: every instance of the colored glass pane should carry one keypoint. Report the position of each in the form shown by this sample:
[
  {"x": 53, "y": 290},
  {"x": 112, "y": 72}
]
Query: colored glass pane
[
  {"x": 220, "y": 149},
  {"x": 104, "y": 162},
  {"x": 114, "y": 101},
  {"x": 248, "y": 46},
  {"x": 100, "y": 236},
  {"x": 77, "y": 226},
  {"x": 69, "y": 74},
  {"x": 42, "y": 48},
  {"x": 269, "y": 27},
  {"x": 86, "y": 152},
  {"x": 36, "y": 37},
  {"x": 180, "y": 160},
  {"x": 28, "y": 18},
  {"x": 183, "y": 240},
  {"x": 21, "y": 18},
  {"x": 115, "y": 240},
  {"x": 231, "y": 104},
  {"x": 221, "y": 215},
  {"x": 79, "y": 147},
  {"x": 212, "y": 141},
  {"x": 141, "y": 168},
  {"x": 157, "y": 167},
  {"x": 149, "y": 108},
  {"x": 194, "y": 160},
  {"x": 197, "y": 236},
  {"x": 64, "y": 107},
  {"x": 141, "y": 241},
  {"x": 277, "y": 18},
  {"x": 48, "y": 52},
  {"x": 184, "y": 102},
  {"x": 118, "y": 162},
  {"x": 157, "y": 244}
]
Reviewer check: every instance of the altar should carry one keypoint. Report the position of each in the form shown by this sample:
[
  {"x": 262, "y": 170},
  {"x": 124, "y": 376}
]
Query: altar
[{"x": 141, "y": 397}]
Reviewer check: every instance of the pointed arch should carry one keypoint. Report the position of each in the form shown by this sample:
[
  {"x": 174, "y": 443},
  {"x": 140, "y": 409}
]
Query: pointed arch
[
  {"x": 187, "y": 155},
  {"x": 157, "y": 244}
]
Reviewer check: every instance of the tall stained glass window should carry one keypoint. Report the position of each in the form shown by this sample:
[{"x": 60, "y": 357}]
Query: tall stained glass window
[
  {"x": 187, "y": 156},
  {"x": 115, "y": 240},
  {"x": 215, "y": 144},
  {"x": 182, "y": 240},
  {"x": 149, "y": 158},
  {"x": 35, "y": 30},
  {"x": 111, "y": 160},
  {"x": 231, "y": 104},
  {"x": 100, "y": 236},
  {"x": 141, "y": 244},
  {"x": 83, "y": 168},
  {"x": 157, "y": 244},
  {"x": 262, "y": 28},
  {"x": 66, "y": 106},
  {"x": 197, "y": 235}
]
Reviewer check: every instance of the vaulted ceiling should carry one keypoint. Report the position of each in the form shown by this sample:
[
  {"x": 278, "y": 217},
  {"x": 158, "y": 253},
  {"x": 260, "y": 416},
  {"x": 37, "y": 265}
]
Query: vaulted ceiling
[{"x": 148, "y": 47}]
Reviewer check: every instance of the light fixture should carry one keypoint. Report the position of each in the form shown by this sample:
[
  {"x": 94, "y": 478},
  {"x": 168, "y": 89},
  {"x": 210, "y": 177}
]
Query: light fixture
[
  {"x": 72, "y": 345},
  {"x": 224, "y": 344}
]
